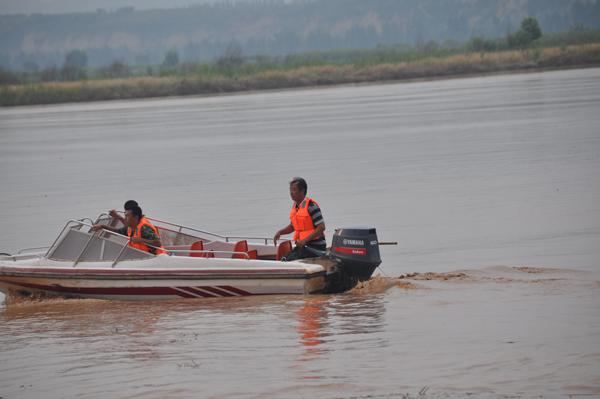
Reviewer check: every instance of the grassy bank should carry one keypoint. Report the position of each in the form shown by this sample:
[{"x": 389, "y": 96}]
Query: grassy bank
[{"x": 300, "y": 76}]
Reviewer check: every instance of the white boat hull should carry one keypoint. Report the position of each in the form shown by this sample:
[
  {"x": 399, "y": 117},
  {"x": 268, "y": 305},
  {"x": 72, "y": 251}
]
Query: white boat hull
[{"x": 163, "y": 277}]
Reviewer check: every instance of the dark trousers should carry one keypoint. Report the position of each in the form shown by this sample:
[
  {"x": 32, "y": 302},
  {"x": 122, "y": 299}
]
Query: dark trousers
[{"x": 303, "y": 253}]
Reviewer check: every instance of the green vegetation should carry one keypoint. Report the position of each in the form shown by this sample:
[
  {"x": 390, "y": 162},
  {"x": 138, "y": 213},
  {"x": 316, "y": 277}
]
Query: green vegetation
[
  {"x": 171, "y": 58},
  {"x": 269, "y": 27},
  {"x": 74, "y": 67},
  {"x": 527, "y": 48}
]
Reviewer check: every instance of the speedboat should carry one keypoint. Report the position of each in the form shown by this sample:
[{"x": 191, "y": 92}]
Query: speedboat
[{"x": 83, "y": 263}]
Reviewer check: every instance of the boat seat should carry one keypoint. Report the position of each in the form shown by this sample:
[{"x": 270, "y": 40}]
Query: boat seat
[
  {"x": 199, "y": 246},
  {"x": 284, "y": 248},
  {"x": 253, "y": 254},
  {"x": 242, "y": 246}
]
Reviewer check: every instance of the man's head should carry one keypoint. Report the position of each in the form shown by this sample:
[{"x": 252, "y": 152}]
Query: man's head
[
  {"x": 133, "y": 216},
  {"x": 298, "y": 189},
  {"x": 129, "y": 205}
]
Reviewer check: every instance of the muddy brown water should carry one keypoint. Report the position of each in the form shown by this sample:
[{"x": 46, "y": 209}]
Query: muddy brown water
[{"x": 489, "y": 184}]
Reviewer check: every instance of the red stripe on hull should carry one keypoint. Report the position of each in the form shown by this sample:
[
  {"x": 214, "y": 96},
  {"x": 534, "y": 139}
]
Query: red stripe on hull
[
  {"x": 105, "y": 291},
  {"x": 136, "y": 291},
  {"x": 183, "y": 293},
  {"x": 197, "y": 292},
  {"x": 233, "y": 289},
  {"x": 216, "y": 291}
]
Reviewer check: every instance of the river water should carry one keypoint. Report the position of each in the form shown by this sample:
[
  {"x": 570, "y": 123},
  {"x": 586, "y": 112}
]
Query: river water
[{"x": 490, "y": 185}]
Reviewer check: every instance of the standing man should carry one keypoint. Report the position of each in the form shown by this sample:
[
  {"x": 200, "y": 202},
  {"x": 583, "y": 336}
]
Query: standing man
[{"x": 306, "y": 221}]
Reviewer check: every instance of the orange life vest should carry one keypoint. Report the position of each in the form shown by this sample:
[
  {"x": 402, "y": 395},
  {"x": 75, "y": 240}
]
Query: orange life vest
[
  {"x": 301, "y": 220},
  {"x": 138, "y": 234}
]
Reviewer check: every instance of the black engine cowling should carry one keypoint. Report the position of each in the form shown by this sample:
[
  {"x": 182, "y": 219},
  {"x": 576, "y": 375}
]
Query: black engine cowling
[{"x": 356, "y": 251}]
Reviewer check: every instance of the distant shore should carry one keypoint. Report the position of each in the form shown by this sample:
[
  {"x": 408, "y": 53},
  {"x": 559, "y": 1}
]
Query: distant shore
[{"x": 473, "y": 63}]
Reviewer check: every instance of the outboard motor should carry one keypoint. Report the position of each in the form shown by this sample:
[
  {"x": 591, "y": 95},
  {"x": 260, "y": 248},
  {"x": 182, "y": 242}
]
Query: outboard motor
[{"x": 356, "y": 251}]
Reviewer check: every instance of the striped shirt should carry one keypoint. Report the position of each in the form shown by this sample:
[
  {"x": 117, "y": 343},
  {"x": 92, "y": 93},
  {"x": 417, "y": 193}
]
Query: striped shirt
[{"x": 317, "y": 218}]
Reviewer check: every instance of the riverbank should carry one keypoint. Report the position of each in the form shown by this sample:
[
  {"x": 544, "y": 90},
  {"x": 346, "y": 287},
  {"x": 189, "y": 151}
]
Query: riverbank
[{"x": 574, "y": 56}]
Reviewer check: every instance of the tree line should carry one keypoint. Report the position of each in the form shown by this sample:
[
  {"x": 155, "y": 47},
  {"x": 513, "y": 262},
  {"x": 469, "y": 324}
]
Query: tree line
[
  {"x": 234, "y": 61},
  {"x": 271, "y": 28}
]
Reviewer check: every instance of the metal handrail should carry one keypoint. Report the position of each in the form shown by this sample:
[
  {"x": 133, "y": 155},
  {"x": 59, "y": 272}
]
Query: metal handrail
[
  {"x": 100, "y": 216},
  {"x": 226, "y": 238},
  {"x": 170, "y": 224},
  {"x": 180, "y": 227},
  {"x": 87, "y": 244},
  {"x": 187, "y": 251},
  {"x": 249, "y": 238},
  {"x": 166, "y": 250},
  {"x": 120, "y": 252},
  {"x": 18, "y": 256},
  {"x": 173, "y": 251},
  {"x": 20, "y": 251},
  {"x": 51, "y": 247}
]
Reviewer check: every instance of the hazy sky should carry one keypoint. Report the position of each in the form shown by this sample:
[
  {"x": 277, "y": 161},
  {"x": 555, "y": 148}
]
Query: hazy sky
[{"x": 66, "y": 6}]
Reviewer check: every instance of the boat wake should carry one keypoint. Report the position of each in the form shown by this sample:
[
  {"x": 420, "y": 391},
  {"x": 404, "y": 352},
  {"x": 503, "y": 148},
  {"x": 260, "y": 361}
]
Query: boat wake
[
  {"x": 380, "y": 284},
  {"x": 495, "y": 274},
  {"x": 20, "y": 297}
]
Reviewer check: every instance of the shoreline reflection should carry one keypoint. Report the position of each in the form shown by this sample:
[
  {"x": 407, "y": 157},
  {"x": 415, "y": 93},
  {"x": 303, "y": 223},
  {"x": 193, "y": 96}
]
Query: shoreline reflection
[{"x": 327, "y": 324}]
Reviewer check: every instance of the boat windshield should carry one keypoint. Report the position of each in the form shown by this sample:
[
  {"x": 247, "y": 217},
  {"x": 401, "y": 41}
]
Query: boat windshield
[{"x": 78, "y": 244}]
